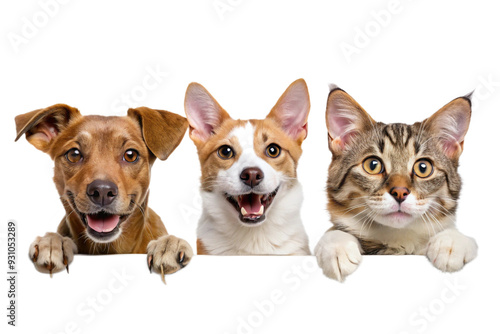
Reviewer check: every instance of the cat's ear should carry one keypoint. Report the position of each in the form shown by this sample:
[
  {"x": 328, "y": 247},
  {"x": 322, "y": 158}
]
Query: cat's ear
[
  {"x": 204, "y": 113},
  {"x": 450, "y": 124},
  {"x": 345, "y": 119}
]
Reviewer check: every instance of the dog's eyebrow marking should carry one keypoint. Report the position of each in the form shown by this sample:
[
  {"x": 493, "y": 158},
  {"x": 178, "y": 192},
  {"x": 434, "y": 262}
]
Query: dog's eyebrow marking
[{"x": 86, "y": 134}]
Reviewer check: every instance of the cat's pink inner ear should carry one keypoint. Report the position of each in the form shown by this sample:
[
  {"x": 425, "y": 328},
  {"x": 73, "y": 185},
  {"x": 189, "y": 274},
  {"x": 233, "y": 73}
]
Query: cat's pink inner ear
[
  {"x": 450, "y": 125},
  {"x": 345, "y": 118},
  {"x": 203, "y": 112},
  {"x": 292, "y": 109}
]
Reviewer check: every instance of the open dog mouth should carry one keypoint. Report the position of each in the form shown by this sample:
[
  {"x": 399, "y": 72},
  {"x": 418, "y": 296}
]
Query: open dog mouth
[
  {"x": 103, "y": 225},
  {"x": 252, "y": 207}
]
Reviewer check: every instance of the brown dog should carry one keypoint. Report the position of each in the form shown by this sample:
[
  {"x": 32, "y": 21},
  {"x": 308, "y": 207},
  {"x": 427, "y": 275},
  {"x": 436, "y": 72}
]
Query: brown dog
[{"x": 102, "y": 172}]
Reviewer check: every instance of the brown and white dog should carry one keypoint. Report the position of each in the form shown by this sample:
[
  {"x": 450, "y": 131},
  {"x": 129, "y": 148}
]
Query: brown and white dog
[
  {"x": 250, "y": 193},
  {"x": 102, "y": 173}
]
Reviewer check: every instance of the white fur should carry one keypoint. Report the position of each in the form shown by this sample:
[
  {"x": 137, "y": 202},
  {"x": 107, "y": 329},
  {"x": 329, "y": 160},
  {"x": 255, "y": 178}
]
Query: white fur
[
  {"x": 229, "y": 180},
  {"x": 450, "y": 250},
  {"x": 282, "y": 232},
  {"x": 446, "y": 248},
  {"x": 338, "y": 254},
  {"x": 385, "y": 208}
]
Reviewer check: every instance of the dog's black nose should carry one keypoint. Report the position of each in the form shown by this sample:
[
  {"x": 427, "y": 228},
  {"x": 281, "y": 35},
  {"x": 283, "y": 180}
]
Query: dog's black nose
[
  {"x": 102, "y": 192},
  {"x": 252, "y": 176}
]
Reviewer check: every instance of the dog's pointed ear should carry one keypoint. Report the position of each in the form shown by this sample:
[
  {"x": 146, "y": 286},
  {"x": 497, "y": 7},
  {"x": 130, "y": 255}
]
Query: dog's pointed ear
[
  {"x": 162, "y": 130},
  {"x": 292, "y": 109},
  {"x": 41, "y": 126},
  {"x": 345, "y": 119},
  {"x": 450, "y": 124},
  {"x": 203, "y": 112}
]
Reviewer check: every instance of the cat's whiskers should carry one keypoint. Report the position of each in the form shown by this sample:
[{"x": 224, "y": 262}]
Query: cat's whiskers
[
  {"x": 430, "y": 223},
  {"x": 436, "y": 220},
  {"x": 426, "y": 224},
  {"x": 367, "y": 219}
]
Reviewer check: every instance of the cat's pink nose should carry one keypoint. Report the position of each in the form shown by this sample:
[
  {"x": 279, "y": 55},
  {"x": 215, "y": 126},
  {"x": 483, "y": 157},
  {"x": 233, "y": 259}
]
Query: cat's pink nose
[{"x": 399, "y": 193}]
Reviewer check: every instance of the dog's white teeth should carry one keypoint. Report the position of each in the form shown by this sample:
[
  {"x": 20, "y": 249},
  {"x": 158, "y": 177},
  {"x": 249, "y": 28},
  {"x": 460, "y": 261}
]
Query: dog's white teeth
[
  {"x": 265, "y": 198},
  {"x": 243, "y": 211},
  {"x": 261, "y": 211}
]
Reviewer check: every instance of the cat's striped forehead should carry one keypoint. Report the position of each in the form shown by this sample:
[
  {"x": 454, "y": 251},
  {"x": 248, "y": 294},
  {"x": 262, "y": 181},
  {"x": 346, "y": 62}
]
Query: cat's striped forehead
[{"x": 396, "y": 141}]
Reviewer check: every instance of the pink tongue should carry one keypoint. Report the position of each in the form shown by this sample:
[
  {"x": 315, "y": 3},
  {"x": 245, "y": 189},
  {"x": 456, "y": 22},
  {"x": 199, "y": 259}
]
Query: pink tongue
[
  {"x": 103, "y": 223},
  {"x": 251, "y": 203}
]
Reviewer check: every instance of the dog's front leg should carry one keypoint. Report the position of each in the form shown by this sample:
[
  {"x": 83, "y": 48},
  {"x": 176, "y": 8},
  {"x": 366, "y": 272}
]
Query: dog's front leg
[
  {"x": 52, "y": 253},
  {"x": 168, "y": 254}
]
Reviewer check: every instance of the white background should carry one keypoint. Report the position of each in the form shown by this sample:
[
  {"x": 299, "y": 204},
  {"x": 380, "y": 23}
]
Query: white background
[{"x": 88, "y": 54}]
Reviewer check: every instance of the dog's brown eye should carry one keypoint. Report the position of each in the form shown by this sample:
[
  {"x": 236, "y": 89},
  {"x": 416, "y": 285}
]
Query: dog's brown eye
[
  {"x": 273, "y": 151},
  {"x": 423, "y": 168},
  {"x": 225, "y": 152},
  {"x": 131, "y": 156},
  {"x": 74, "y": 155},
  {"x": 373, "y": 166}
]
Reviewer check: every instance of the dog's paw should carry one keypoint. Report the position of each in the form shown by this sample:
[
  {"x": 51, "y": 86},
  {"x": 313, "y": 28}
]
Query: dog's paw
[
  {"x": 450, "y": 250},
  {"x": 52, "y": 253},
  {"x": 338, "y": 254},
  {"x": 168, "y": 254}
]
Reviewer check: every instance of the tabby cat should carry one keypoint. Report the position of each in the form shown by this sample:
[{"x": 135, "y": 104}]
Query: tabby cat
[{"x": 393, "y": 188}]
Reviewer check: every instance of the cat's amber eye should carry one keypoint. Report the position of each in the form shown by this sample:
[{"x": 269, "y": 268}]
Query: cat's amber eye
[
  {"x": 423, "y": 168},
  {"x": 74, "y": 155},
  {"x": 373, "y": 166},
  {"x": 273, "y": 151},
  {"x": 131, "y": 156},
  {"x": 225, "y": 152}
]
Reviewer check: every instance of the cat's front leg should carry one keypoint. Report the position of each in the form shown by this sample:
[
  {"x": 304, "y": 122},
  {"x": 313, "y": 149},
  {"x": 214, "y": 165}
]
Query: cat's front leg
[
  {"x": 338, "y": 254},
  {"x": 450, "y": 250}
]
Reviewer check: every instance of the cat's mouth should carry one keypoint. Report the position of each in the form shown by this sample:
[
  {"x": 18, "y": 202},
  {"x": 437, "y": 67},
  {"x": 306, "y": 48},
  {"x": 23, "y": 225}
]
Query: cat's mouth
[
  {"x": 399, "y": 215},
  {"x": 395, "y": 219}
]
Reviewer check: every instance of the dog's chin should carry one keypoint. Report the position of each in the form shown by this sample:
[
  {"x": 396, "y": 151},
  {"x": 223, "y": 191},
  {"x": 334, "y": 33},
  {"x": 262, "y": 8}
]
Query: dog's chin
[
  {"x": 102, "y": 226},
  {"x": 252, "y": 207}
]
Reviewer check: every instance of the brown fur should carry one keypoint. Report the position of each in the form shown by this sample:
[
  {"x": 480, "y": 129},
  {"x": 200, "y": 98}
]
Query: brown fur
[
  {"x": 200, "y": 248},
  {"x": 102, "y": 140}
]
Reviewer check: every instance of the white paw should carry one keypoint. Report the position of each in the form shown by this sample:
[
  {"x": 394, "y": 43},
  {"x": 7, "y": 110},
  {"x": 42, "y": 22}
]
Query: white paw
[
  {"x": 168, "y": 254},
  {"x": 450, "y": 250},
  {"x": 52, "y": 253},
  {"x": 338, "y": 254}
]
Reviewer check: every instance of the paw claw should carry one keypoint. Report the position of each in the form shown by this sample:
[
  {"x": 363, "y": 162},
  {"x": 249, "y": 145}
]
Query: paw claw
[
  {"x": 168, "y": 254},
  {"x": 150, "y": 263},
  {"x": 162, "y": 275},
  {"x": 52, "y": 253},
  {"x": 35, "y": 254}
]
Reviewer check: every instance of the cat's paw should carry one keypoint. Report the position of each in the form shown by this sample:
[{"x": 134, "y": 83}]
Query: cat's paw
[
  {"x": 52, "y": 253},
  {"x": 168, "y": 254},
  {"x": 450, "y": 250},
  {"x": 338, "y": 254}
]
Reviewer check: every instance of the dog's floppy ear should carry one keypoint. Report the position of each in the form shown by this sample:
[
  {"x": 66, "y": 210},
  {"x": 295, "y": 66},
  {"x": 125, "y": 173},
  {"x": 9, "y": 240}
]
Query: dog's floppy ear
[
  {"x": 292, "y": 109},
  {"x": 41, "y": 126},
  {"x": 203, "y": 112},
  {"x": 162, "y": 130}
]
